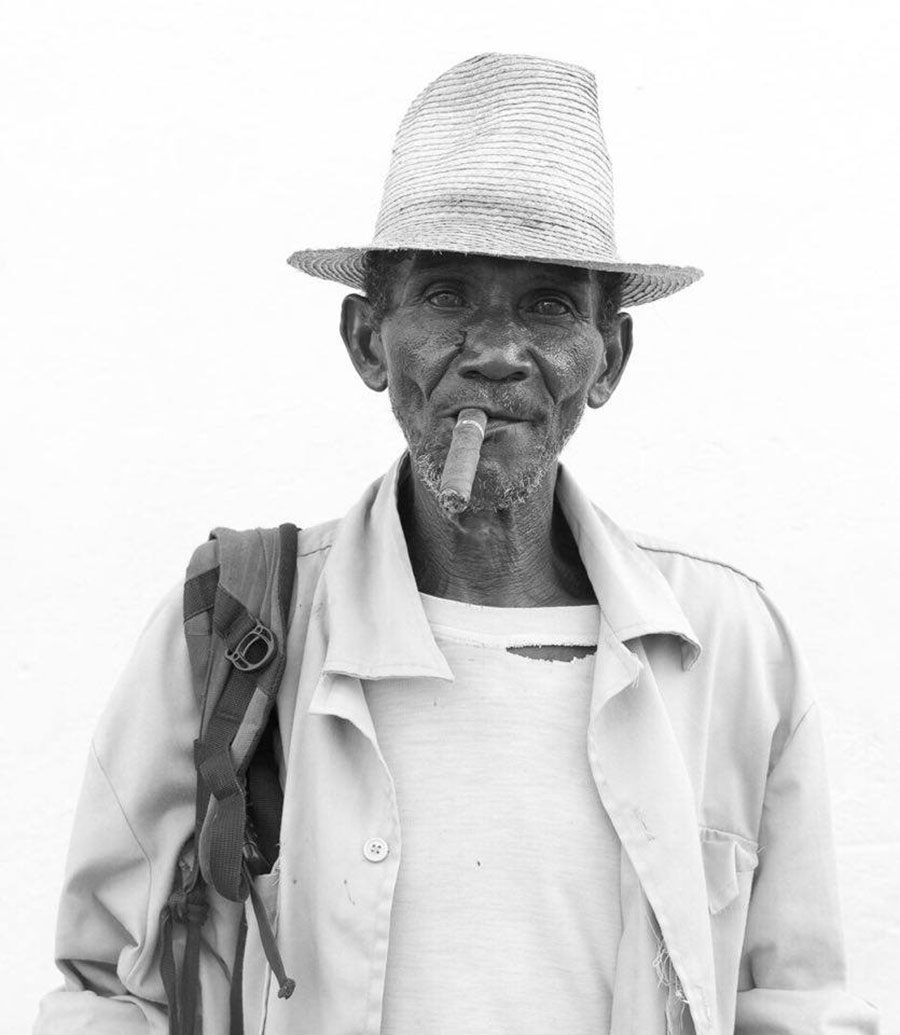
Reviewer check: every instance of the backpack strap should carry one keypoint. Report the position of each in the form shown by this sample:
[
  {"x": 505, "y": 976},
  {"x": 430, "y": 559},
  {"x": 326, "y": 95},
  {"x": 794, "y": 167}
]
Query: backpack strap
[{"x": 237, "y": 598}]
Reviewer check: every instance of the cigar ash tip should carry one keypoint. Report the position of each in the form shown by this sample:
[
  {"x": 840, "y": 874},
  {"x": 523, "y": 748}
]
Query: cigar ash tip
[{"x": 452, "y": 501}]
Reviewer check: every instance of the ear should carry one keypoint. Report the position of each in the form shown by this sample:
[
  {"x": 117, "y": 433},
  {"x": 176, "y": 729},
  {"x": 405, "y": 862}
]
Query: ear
[
  {"x": 363, "y": 341},
  {"x": 617, "y": 342}
]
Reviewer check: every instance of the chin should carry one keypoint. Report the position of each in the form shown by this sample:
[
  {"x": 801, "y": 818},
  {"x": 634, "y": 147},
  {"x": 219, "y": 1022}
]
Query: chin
[{"x": 504, "y": 489}]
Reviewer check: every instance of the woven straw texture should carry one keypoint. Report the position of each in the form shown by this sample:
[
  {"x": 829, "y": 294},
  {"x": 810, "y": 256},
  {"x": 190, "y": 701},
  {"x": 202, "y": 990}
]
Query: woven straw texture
[{"x": 502, "y": 155}]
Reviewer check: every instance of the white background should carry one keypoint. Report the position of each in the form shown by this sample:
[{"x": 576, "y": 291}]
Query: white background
[{"x": 165, "y": 371}]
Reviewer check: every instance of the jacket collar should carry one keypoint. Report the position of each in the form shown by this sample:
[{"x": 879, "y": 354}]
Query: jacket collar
[
  {"x": 633, "y": 595},
  {"x": 376, "y": 626}
]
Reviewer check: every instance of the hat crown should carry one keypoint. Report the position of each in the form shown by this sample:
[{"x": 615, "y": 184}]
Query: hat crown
[{"x": 502, "y": 154}]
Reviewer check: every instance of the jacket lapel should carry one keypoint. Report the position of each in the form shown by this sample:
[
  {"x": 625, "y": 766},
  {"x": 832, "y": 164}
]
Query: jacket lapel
[{"x": 643, "y": 783}]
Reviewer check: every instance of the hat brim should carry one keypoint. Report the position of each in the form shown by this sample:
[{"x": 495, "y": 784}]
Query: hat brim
[{"x": 642, "y": 283}]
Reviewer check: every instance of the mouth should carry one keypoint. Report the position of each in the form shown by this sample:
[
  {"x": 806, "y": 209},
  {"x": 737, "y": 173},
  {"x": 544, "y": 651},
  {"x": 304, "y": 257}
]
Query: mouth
[
  {"x": 499, "y": 423},
  {"x": 497, "y": 420},
  {"x": 495, "y": 417}
]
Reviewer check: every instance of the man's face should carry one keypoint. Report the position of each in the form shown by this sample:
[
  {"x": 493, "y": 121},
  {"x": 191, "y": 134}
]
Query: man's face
[{"x": 520, "y": 340}]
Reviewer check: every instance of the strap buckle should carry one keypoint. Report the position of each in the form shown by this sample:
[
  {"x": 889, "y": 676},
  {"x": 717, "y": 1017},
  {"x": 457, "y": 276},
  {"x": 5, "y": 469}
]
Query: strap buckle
[{"x": 253, "y": 650}]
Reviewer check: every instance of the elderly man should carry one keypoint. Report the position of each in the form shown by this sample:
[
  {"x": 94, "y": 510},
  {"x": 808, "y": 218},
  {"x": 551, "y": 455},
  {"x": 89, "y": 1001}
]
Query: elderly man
[{"x": 538, "y": 775}]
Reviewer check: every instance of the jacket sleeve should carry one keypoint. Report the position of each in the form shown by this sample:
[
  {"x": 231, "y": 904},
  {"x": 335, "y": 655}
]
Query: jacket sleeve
[
  {"x": 135, "y": 813},
  {"x": 793, "y": 971}
]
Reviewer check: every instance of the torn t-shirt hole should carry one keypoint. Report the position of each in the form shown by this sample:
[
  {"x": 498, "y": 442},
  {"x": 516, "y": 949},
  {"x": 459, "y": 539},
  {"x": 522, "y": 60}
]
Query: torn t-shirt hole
[{"x": 553, "y": 652}]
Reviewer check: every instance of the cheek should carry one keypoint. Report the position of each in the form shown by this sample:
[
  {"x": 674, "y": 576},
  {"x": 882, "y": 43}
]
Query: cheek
[
  {"x": 416, "y": 363},
  {"x": 572, "y": 366}
]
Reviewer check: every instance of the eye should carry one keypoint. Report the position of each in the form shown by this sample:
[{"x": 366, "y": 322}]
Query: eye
[
  {"x": 446, "y": 299},
  {"x": 551, "y": 307}
]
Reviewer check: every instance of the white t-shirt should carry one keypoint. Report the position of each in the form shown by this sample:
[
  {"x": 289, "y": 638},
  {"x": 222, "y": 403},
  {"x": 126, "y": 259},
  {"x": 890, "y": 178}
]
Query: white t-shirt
[{"x": 506, "y": 913}]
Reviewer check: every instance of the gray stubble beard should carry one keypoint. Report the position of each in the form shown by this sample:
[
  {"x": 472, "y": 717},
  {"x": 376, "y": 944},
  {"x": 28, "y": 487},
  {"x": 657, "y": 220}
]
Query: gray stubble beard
[{"x": 429, "y": 456}]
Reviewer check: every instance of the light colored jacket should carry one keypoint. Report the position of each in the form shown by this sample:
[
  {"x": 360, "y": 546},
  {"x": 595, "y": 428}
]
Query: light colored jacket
[{"x": 703, "y": 740}]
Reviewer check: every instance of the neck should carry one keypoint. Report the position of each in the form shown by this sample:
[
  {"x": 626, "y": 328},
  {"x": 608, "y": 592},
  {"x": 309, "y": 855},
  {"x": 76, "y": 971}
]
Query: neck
[{"x": 523, "y": 556}]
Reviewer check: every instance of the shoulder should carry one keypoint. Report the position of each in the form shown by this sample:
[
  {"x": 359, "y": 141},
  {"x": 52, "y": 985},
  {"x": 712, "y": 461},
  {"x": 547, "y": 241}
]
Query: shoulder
[
  {"x": 718, "y": 597},
  {"x": 668, "y": 555},
  {"x": 743, "y": 634},
  {"x": 712, "y": 591},
  {"x": 312, "y": 543},
  {"x": 316, "y": 540},
  {"x": 313, "y": 547},
  {"x": 722, "y": 600}
]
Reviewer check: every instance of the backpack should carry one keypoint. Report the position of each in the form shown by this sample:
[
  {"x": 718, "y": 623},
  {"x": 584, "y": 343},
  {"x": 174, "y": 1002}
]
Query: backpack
[{"x": 237, "y": 607}]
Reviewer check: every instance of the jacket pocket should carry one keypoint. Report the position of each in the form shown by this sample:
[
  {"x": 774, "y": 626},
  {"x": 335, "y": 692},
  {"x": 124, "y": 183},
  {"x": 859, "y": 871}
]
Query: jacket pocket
[{"x": 728, "y": 862}]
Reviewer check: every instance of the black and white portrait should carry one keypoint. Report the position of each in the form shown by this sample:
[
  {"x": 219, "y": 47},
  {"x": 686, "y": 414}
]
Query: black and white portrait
[{"x": 535, "y": 370}]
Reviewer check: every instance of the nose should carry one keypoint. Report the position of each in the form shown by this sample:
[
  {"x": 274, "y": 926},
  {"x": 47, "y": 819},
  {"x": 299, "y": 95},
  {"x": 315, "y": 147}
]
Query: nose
[{"x": 494, "y": 350}]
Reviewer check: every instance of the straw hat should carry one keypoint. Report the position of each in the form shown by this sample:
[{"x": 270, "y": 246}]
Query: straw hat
[{"x": 502, "y": 155}]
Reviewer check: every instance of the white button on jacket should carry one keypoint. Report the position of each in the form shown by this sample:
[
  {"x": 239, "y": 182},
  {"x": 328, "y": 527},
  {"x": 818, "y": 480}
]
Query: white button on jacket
[
  {"x": 375, "y": 849},
  {"x": 709, "y": 765}
]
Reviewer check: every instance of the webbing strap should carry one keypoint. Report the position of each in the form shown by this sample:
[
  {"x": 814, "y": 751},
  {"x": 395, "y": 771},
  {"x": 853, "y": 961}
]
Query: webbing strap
[
  {"x": 286, "y": 985},
  {"x": 167, "y": 970},
  {"x": 190, "y": 967},
  {"x": 231, "y": 620},
  {"x": 232, "y": 705},
  {"x": 200, "y": 593},
  {"x": 188, "y": 907},
  {"x": 236, "y": 1026},
  {"x": 287, "y": 570},
  {"x": 222, "y": 840}
]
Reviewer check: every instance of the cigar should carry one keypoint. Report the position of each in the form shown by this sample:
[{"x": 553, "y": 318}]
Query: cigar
[{"x": 462, "y": 460}]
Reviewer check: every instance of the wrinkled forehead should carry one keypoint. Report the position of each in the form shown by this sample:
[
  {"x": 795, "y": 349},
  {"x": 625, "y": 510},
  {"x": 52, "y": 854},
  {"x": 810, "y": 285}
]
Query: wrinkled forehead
[{"x": 487, "y": 266}]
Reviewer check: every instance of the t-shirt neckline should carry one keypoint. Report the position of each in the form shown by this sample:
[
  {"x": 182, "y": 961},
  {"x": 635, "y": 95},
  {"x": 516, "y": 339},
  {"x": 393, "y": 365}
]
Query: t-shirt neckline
[{"x": 578, "y": 625}]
